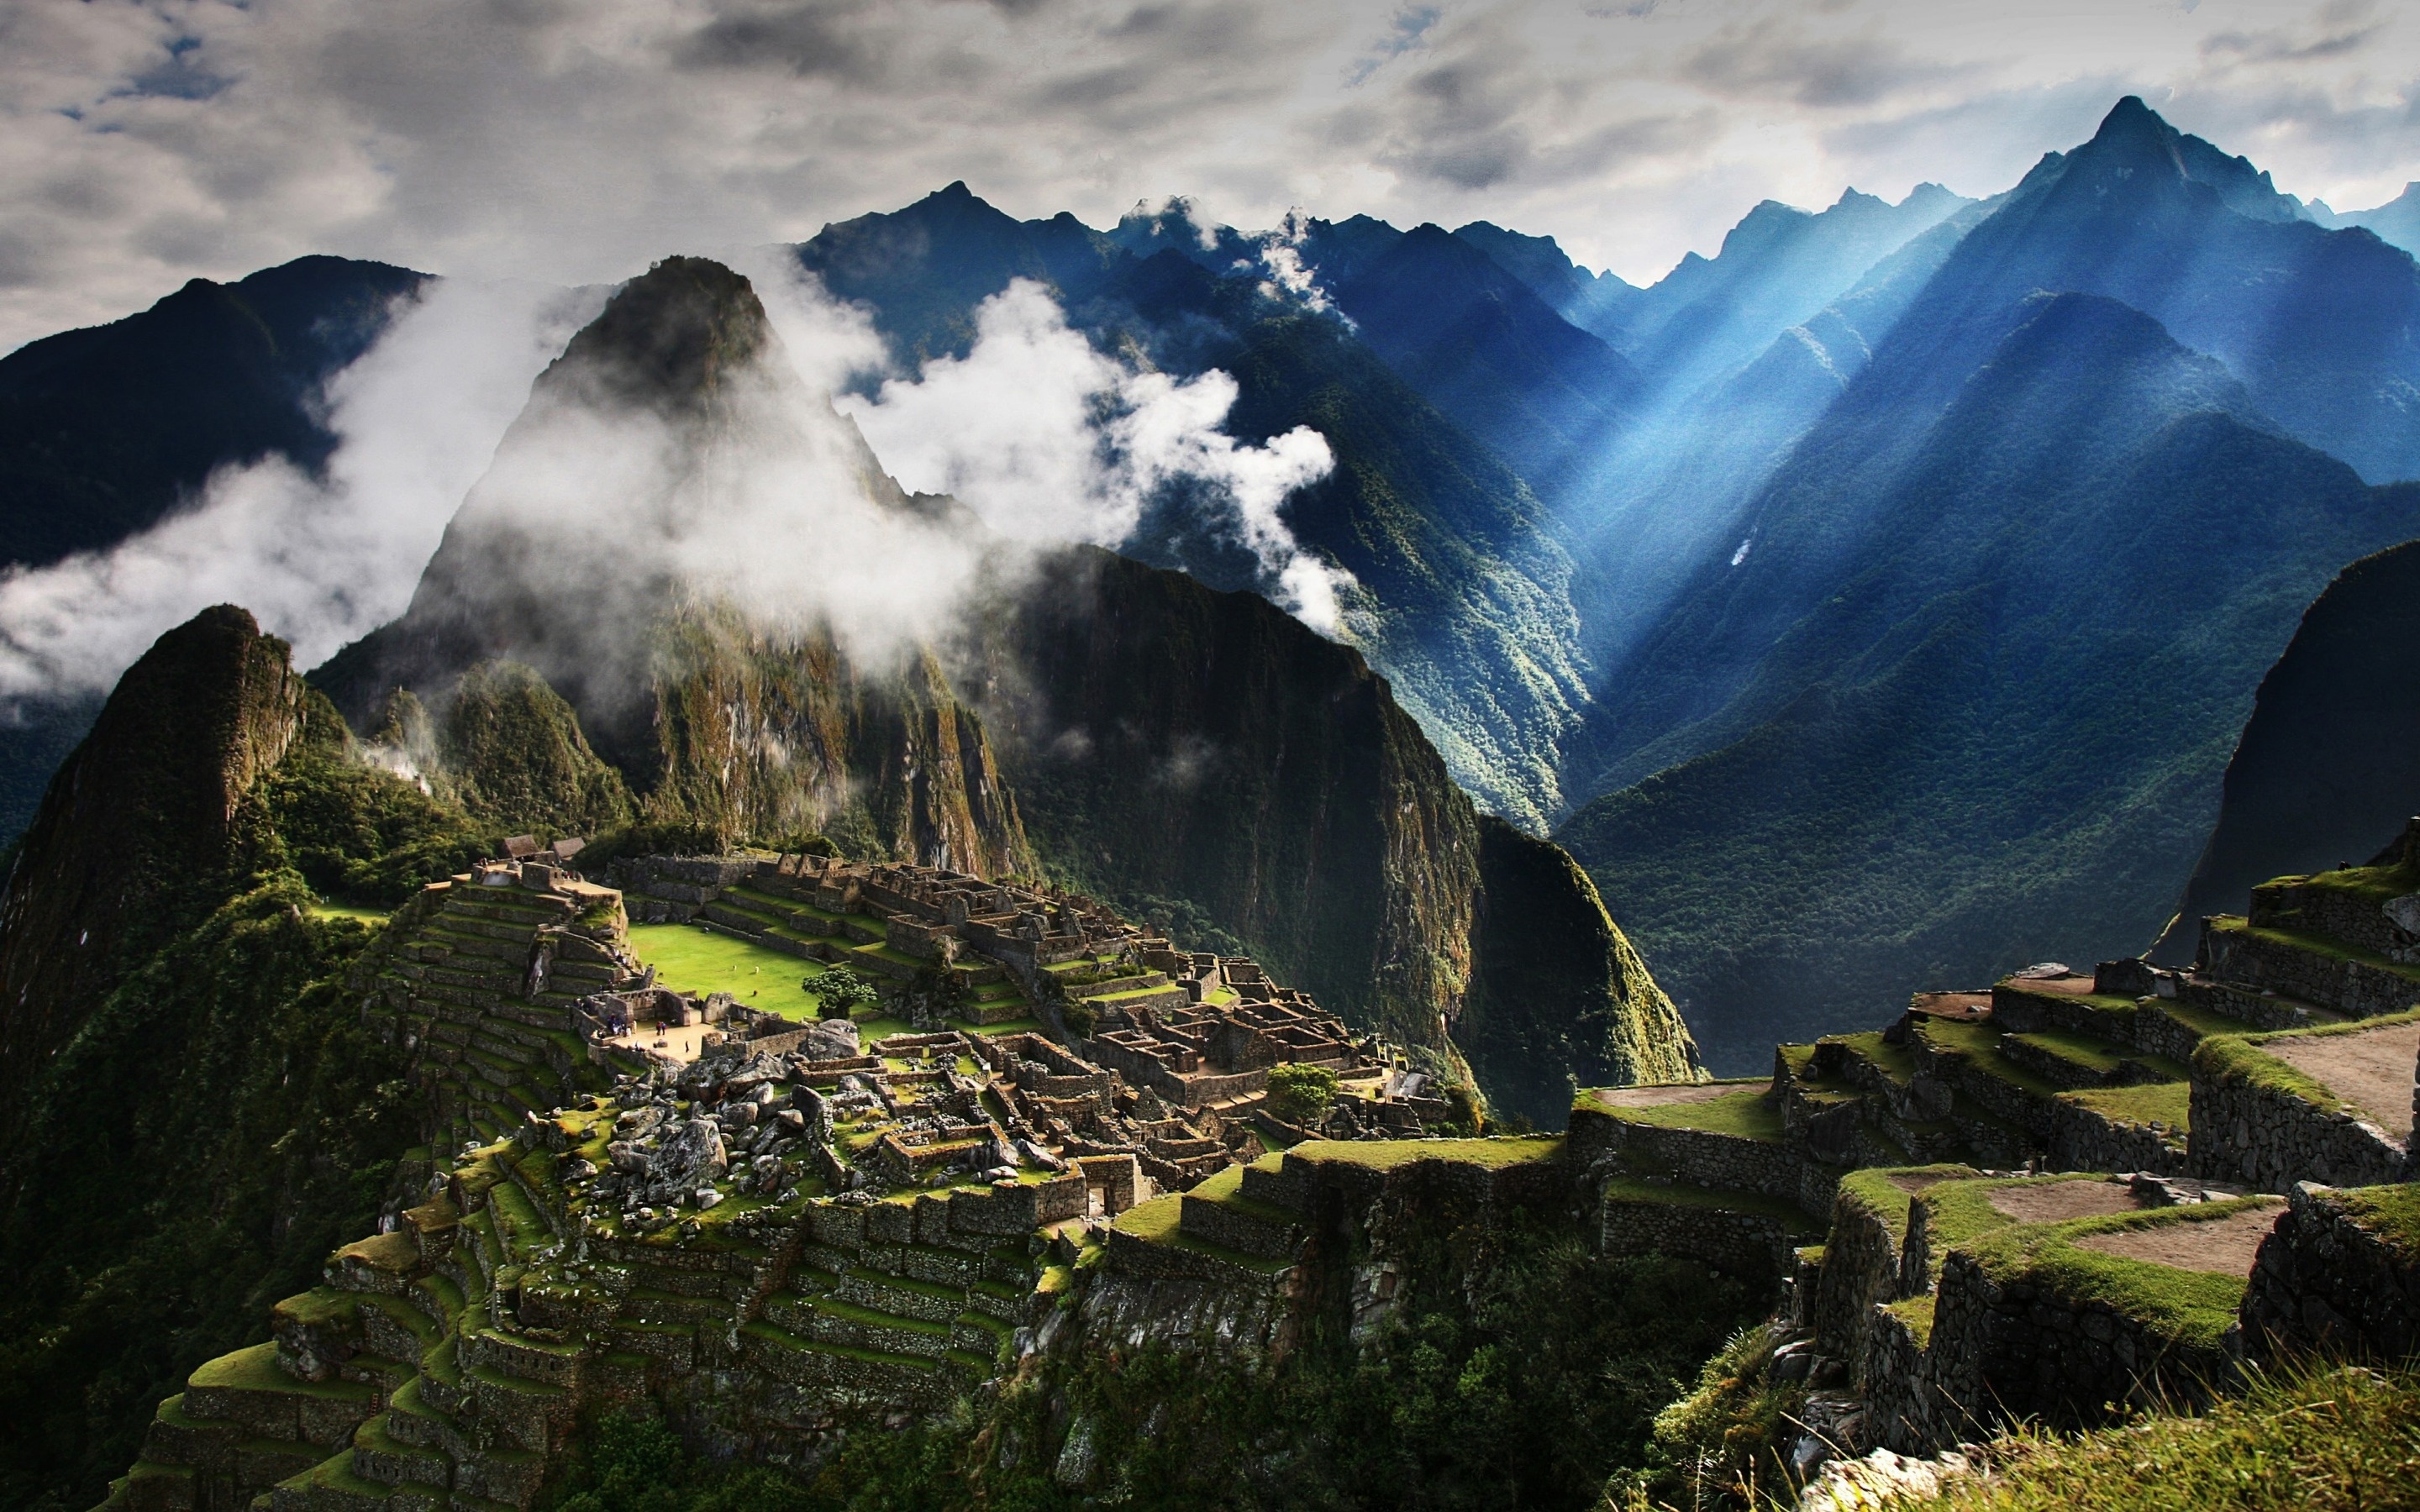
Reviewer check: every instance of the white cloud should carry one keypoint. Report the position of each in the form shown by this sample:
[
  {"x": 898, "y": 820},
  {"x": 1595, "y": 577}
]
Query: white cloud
[
  {"x": 1048, "y": 441},
  {"x": 145, "y": 141},
  {"x": 316, "y": 560}
]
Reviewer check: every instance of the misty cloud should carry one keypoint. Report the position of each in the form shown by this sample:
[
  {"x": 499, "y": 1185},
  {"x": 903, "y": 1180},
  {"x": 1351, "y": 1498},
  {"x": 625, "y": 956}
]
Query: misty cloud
[
  {"x": 1048, "y": 441},
  {"x": 319, "y": 561}
]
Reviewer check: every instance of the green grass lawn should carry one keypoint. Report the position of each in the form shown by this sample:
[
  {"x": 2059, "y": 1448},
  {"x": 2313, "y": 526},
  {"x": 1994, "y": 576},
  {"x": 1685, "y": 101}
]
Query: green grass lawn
[
  {"x": 692, "y": 959},
  {"x": 367, "y": 915}
]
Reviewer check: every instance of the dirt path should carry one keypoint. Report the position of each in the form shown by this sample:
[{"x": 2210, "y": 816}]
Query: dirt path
[
  {"x": 2051, "y": 1201},
  {"x": 2372, "y": 1070},
  {"x": 2223, "y": 1245}
]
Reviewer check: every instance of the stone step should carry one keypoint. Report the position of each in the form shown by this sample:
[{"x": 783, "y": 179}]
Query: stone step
[
  {"x": 380, "y": 1456},
  {"x": 897, "y": 1295}
]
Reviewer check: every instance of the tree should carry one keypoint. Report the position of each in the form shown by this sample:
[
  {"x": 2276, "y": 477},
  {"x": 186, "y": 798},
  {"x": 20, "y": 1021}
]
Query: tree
[{"x": 1300, "y": 1094}]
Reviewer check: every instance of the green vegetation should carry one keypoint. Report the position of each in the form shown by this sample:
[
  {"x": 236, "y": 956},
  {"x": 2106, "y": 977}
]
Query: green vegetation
[
  {"x": 1387, "y": 1154},
  {"x": 2393, "y": 1212},
  {"x": 2163, "y": 1102},
  {"x": 692, "y": 958},
  {"x": 1751, "y": 1113},
  {"x": 842, "y": 994},
  {"x": 1300, "y": 1094},
  {"x": 2192, "y": 1308},
  {"x": 2324, "y": 1439},
  {"x": 1720, "y": 1444},
  {"x": 1518, "y": 1370},
  {"x": 518, "y": 761}
]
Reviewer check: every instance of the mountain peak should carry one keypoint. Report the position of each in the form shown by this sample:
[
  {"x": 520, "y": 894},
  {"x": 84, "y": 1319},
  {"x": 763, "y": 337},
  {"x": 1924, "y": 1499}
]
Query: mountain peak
[
  {"x": 2134, "y": 138},
  {"x": 2132, "y": 118}
]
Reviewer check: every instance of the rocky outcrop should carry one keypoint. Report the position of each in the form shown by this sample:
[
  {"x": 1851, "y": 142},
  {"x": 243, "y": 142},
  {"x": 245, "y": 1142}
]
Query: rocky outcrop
[{"x": 140, "y": 826}]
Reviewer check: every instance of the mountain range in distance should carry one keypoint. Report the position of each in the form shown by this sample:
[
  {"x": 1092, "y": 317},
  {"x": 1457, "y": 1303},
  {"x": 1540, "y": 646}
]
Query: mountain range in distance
[{"x": 1859, "y": 606}]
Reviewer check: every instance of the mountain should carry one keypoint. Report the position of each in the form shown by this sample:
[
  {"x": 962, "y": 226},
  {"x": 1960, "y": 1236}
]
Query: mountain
[
  {"x": 1942, "y": 702},
  {"x": 2322, "y": 327},
  {"x": 1484, "y": 348},
  {"x": 708, "y": 718},
  {"x": 2397, "y": 222},
  {"x": 139, "y": 827},
  {"x": 2328, "y": 769},
  {"x": 1579, "y": 296},
  {"x": 1466, "y": 585},
  {"x": 1777, "y": 268},
  {"x": 1206, "y": 762},
  {"x": 1198, "y": 757},
  {"x": 104, "y": 430}
]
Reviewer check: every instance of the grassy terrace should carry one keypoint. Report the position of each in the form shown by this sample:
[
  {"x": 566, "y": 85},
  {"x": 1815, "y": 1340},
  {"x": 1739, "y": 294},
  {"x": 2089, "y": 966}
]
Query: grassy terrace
[
  {"x": 1157, "y": 1223},
  {"x": 2241, "y": 1058},
  {"x": 2319, "y": 945},
  {"x": 2163, "y": 1102},
  {"x": 2098, "y": 1055},
  {"x": 1896, "y": 1061},
  {"x": 1750, "y": 1112},
  {"x": 2193, "y": 1308},
  {"x": 1389, "y": 1154},
  {"x": 690, "y": 958},
  {"x": 1978, "y": 1044}
]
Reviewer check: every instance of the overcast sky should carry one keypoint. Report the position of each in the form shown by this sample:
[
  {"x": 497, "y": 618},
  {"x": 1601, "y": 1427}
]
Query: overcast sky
[{"x": 144, "y": 141}]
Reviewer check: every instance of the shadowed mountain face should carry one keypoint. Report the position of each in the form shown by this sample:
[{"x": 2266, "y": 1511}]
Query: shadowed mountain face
[
  {"x": 103, "y": 430},
  {"x": 138, "y": 827},
  {"x": 2328, "y": 770}
]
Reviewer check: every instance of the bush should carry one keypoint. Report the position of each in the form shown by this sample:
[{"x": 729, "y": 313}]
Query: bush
[
  {"x": 842, "y": 992},
  {"x": 1079, "y": 1018},
  {"x": 1300, "y": 1094}
]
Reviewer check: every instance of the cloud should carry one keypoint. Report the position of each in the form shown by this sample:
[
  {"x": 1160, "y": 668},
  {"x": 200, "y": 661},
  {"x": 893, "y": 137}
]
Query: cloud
[
  {"x": 144, "y": 141},
  {"x": 1048, "y": 441},
  {"x": 318, "y": 561}
]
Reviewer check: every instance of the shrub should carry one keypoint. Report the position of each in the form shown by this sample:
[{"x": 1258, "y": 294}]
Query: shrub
[
  {"x": 1300, "y": 1094},
  {"x": 842, "y": 992}
]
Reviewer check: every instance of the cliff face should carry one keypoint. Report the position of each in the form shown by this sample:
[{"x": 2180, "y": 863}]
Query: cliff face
[
  {"x": 139, "y": 825},
  {"x": 1558, "y": 996},
  {"x": 577, "y": 556},
  {"x": 1172, "y": 742},
  {"x": 1204, "y": 758},
  {"x": 2328, "y": 768}
]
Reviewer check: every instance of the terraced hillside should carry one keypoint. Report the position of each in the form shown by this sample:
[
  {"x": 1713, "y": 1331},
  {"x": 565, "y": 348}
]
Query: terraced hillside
[{"x": 1955, "y": 1289}]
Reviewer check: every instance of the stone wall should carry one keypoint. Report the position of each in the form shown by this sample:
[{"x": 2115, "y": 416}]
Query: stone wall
[
  {"x": 2082, "y": 1139},
  {"x": 2335, "y": 1278},
  {"x": 2021, "y": 1349},
  {"x": 2269, "y": 1138},
  {"x": 2240, "y": 954},
  {"x": 2353, "y": 918},
  {"x": 1862, "y": 1267},
  {"x": 1700, "y": 1157},
  {"x": 1916, "y": 1397},
  {"x": 1761, "y": 1246}
]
